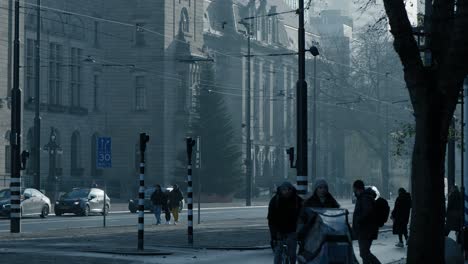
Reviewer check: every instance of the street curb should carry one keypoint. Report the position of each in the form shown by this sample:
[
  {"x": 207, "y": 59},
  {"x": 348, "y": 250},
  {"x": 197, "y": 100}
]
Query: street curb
[
  {"x": 131, "y": 252},
  {"x": 219, "y": 248}
]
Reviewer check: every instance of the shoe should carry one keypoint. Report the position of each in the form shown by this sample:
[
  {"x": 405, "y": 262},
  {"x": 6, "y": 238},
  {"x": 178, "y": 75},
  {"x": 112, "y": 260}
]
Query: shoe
[
  {"x": 175, "y": 222},
  {"x": 400, "y": 245},
  {"x": 167, "y": 223}
]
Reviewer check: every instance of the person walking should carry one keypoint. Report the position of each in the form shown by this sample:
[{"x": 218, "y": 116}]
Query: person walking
[
  {"x": 166, "y": 209},
  {"x": 365, "y": 227},
  {"x": 321, "y": 198},
  {"x": 400, "y": 216},
  {"x": 283, "y": 213},
  {"x": 454, "y": 212},
  {"x": 158, "y": 199},
  {"x": 175, "y": 197}
]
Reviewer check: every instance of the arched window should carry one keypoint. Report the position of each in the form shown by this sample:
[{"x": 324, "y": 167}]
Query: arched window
[
  {"x": 75, "y": 156},
  {"x": 76, "y": 28},
  {"x": 54, "y": 24},
  {"x": 184, "y": 21}
]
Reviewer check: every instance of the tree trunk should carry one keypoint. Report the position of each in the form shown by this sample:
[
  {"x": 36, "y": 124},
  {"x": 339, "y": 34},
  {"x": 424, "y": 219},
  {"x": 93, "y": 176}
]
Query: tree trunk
[{"x": 426, "y": 243}]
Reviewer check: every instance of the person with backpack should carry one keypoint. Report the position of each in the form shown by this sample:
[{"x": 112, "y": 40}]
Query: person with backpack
[
  {"x": 321, "y": 198},
  {"x": 365, "y": 224},
  {"x": 400, "y": 216},
  {"x": 283, "y": 214},
  {"x": 158, "y": 199}
]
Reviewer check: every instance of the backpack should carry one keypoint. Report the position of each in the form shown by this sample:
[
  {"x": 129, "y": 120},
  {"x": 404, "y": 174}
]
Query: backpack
[{"x": 382, "y": 211}]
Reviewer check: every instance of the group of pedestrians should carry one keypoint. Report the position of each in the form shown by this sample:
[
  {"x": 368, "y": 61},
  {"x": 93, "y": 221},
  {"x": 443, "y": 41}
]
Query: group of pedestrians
[
  {"x": 167, "y": 201},
  {"x": 286, "y": 209}
]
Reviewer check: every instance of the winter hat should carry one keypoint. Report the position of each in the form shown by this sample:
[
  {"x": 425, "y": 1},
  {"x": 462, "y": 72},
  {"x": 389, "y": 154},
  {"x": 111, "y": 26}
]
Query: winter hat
[{"x": 320, "y": 183}]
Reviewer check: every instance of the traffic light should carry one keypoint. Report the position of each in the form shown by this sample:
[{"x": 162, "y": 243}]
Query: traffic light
[
  {"x": 144, "y": 138},
  {"x": 290, "y": 152}
]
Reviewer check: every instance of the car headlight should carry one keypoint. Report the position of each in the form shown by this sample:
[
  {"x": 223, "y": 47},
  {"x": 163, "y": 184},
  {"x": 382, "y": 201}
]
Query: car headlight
[
  {"x": 6, "y": 206},
  {"x": 77, "y": 203}
]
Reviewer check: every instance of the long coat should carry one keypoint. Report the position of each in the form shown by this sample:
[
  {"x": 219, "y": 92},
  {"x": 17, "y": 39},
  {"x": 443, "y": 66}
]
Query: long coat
[
  {"x": 401, "y": 213},
  {"x": 364, "y": 223},
  {"x": 454, "y": 213}
]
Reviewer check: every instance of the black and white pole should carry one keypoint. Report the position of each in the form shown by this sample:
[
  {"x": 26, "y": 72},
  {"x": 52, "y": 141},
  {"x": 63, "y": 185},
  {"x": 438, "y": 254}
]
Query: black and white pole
[
  {"x": 198, "y": 167},
  {"x": 190, "y": 143},
  {"x": 141, "y": 192},
  {"x": 15, "y": 136}
]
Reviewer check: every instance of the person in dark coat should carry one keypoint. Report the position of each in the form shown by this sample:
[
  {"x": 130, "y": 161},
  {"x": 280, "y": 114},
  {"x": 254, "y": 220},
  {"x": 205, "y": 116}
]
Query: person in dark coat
[
  {"x": 158, "y": 199},
  {"x": 283, "y": 213},
  {"x": 400, "y": 216},
  {"x": 365, "y": 227},
  {"x": 175, "y": 197},
  {"x": 454, "y": 212},
  {"x": 166, "y": 209},
  {"x": 321, "y": 198}
]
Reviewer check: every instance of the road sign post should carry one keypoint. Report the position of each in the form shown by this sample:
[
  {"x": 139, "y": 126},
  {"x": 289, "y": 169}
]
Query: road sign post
[{"x": 104, "y": 152}]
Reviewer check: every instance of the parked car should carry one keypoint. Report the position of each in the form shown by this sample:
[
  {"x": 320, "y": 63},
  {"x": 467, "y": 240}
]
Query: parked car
[
  {"x": 367, "y": 187},
  {"x": 133, "y": 203},
  {"x": 33, "y": 202},
  {"x": 83, "y": 201}
]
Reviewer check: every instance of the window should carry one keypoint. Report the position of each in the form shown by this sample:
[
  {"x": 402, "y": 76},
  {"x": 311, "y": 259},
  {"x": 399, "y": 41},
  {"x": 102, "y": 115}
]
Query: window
[
  {"x": 55, "y": 79},
  {"x": 140, "y": 35},
  {"x": 96, "y": 34},
  {"x": 75, "y": 77},
  {"x": 30, "y": 68},
  {"x": 184, "y": 21},
  {"x": 95, "y": 92},
  {"x": 140, "y": 93},
  {"x": 75, "y": 154}
]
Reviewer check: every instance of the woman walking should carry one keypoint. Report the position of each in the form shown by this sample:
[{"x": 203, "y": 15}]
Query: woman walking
[{"x": 400, "y": 216}]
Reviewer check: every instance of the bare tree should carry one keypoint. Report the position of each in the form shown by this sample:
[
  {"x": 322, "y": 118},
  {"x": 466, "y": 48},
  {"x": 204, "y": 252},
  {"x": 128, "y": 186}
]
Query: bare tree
[{"x": 434, "y": 91}]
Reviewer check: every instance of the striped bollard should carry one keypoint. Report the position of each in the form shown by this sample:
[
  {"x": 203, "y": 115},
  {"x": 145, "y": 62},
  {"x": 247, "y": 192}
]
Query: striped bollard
[
  {"x": 141, "y": 192},
  {"x": 190, "y": 144}
]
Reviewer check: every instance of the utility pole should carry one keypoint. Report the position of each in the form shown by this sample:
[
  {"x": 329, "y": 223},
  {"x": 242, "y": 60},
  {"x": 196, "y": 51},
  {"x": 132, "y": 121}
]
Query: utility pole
[
  {"x": 301, "y": 101},
  {"x": 37, "y": 118},
  {"x": 15, "y": 136},
  {"x": 248, "y": 143}
]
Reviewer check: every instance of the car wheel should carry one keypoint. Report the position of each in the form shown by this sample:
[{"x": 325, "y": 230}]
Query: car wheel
[
  {"x": 86, "y": 211},
  {"x": 45, "y": 211},
  {"x": 106, "y": 210}
]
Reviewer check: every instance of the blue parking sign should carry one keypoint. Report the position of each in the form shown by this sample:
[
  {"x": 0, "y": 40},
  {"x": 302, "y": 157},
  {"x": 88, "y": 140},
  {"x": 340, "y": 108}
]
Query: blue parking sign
[{"x": 104, "y": 152}]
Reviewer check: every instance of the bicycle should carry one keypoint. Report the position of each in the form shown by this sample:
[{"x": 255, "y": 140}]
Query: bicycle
[{"x": 283, "y": 250}]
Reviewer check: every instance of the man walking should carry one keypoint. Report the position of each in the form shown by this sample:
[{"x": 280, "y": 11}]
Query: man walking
[
  {"x": 283, "y": 214},
  {"x": 365, "y": 225},
  {"x": 158, "y": 199},
  {"x": 175, "y": 197}
]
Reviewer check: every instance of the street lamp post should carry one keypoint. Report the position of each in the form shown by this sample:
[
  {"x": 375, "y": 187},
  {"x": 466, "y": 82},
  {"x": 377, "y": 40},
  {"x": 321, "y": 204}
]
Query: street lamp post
[
  {"x": 52, "y": 147},
  {"x": 314, "y": 51}
]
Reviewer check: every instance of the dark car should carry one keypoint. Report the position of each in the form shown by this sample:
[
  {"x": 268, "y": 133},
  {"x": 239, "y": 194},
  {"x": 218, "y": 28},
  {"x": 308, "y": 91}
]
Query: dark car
[
  {"x": 33, "y": 202},
  {"x": 133, "y": 203},
  {"x": 82, "y": 201}
]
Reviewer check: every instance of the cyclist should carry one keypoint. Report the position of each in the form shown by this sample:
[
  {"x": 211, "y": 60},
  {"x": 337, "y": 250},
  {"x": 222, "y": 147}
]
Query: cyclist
[{"x": 283, "y": 213}]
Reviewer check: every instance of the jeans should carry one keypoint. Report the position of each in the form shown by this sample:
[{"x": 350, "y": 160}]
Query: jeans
[
  {"x": 157, "y": 213},
  {"x": 291, "y": 242},
  {"x": 364, "y": 252}
]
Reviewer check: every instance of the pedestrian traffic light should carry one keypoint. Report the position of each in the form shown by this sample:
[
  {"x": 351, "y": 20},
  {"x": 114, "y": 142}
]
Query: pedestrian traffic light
[
  {"x": 290, "y": 152},
  {"x": 190, "y": 144},
  {"x": 24, "y": 158},
  {"x": 144, "y": 138}
]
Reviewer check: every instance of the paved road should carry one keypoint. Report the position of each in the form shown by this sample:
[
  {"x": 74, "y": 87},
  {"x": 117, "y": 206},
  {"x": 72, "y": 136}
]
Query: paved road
[{"x": 122, "y": 218}]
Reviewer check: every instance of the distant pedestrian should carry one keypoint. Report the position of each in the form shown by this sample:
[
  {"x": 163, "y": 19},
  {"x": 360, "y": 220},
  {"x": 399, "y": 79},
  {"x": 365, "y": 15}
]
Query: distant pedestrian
[
  {"x": 321, "y": 197},
  {"x": 166, "y": 209},
  {"x": 175, "y": 198},
  {"x": 454, "y": 212},
  {"x": 158, "y": 199},
  {"x": 365, "y": 226},
  {"x": 400, "y": 216},
  {"x": 283, "y": 214}
]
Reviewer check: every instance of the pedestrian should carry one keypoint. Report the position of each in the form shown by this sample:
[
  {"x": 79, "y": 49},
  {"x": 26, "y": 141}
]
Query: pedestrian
[
  {"x": 283, "y": 213},
  {"x": 321, "y": 197},
  {"x": 166, "y": 209},
  {"x": 175, "y": 197},
  {"x": 158, "y": 199},
  {"x": 365, "y": 226},
  {"x": 454, "y": 212},
  {"x": 400, "y": 216}
]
